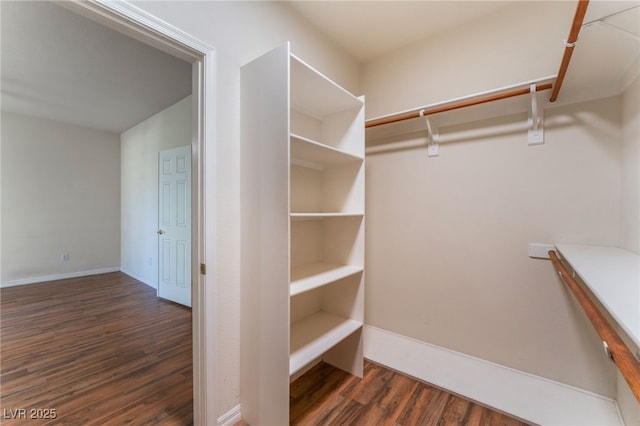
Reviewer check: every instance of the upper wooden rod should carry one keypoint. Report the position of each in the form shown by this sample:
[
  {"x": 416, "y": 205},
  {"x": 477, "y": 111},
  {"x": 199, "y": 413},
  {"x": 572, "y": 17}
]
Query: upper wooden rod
[
  {"x": 455, "y": 105},
  {"x": 578, "y": 18},
  {"x": 627, "y": 363}
]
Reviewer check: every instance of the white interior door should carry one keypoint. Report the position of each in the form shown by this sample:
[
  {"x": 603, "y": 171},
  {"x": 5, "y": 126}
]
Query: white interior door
[{"x": 174, "y": 220}]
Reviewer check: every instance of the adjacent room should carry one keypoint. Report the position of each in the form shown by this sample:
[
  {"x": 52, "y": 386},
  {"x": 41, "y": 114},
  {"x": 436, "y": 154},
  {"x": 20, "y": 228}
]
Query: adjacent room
[
  {"x": 87, "y": 115},
  {"x": 400, "y": 213}
]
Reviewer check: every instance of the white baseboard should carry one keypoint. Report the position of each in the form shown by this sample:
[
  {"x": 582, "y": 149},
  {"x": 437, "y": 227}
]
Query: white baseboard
[
  {"x": 55, "y": 277},
  {"x": 140, "y": 278},
  {"x": 531, "y": 398},
  {"x": 231, "y": 417}
]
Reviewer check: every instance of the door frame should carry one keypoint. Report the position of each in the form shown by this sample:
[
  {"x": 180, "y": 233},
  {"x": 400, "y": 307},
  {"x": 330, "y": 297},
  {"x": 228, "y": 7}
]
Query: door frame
[{"x": 142, "y": 26}]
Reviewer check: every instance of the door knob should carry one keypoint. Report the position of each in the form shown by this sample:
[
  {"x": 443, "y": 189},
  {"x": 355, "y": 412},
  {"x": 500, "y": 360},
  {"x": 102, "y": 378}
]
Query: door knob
[{"x": 160, "y": 231}]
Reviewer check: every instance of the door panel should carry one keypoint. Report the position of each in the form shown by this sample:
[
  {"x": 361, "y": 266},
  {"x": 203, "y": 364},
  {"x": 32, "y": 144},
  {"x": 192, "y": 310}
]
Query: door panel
[{"x": 174, "y": 232}]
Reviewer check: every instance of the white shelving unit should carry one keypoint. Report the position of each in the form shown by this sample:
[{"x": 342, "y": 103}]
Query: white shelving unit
[{"x": 302, "y": 229}]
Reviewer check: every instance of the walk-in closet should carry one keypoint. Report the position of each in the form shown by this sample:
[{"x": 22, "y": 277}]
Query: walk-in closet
[
  {"x": 470, "y": 214},
  {"x": 399, "y": 212}
]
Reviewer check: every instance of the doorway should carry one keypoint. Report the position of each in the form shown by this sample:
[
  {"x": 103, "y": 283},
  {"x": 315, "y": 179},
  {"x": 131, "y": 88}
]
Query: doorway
[
  {"x": 139, "y": 25},
  {"x": 136, "y": 24}
]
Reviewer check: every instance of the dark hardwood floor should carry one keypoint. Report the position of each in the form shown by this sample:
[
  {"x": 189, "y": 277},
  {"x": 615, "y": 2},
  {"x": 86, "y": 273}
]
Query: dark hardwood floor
[
  {"x": 103, "y": 350},
  {"x": 327, "y": 396},
  {"x": 99, "y": 350}
]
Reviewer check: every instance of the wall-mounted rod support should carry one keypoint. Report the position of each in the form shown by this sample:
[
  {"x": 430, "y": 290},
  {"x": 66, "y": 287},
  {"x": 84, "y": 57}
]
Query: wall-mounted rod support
[
  {"x": 454, "y": 105},
  {"x": 534, "y": 108},
  {"x": 535, "y": 134},
  {"x": 578, "y": 18},
  {"x": 433, "y": 136},
  {"x": 619, "y": 352}
]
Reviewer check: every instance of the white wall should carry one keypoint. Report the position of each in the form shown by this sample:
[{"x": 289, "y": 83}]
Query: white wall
[
  {"x": 630, "y": 212},
  {"x": 60, "y": 194},
  {"x": 140, "y": 145},
  {"x": 447, "y": 240},
  {"x": 447, "y": 236},
  {"x": 241, "y": 31},
  {"x": 518, "y": 43},
  {"x": 630, "y": 216}
]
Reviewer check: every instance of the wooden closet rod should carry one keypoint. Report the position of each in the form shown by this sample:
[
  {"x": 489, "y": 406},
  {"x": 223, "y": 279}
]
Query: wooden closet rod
[
  {"x": 578, "y": 18},
  {"x": 454, "y": 105},
  {"x": 627, "y": 363}
]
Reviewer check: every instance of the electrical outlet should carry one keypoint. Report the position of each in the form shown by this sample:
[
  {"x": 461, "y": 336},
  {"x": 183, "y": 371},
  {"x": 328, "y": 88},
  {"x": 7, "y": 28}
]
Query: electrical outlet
[{"x": 65, "y": 257}]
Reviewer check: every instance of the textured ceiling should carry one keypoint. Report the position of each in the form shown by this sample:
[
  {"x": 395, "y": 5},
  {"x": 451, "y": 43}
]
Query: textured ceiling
[
  {"x": 64, "y": 67},
  {"x": 60, "y": 66},
  {"x": 368, "y": 29},
  {"x": 607, "y": 51}
]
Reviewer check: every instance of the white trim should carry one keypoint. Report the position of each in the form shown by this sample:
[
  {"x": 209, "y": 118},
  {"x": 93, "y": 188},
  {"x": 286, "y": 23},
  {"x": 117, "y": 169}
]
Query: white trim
[
  {"x": 231, "y": 417},
  {"x": 45, "y": 278},
  {"x": 140, "y": 25},
  {"x": 140, "y": 278},
  {"x": 155, "y": 29},
  {"x": 523, "y": 395},
  {"x": 204, "y": 297},
  {"x": 134, "y": 22}
]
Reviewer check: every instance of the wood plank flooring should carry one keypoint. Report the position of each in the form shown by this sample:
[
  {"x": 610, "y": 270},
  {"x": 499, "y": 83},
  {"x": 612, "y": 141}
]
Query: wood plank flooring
[
  {"x": 100, "y": 350},
  {"x": 326, "y": 396}
]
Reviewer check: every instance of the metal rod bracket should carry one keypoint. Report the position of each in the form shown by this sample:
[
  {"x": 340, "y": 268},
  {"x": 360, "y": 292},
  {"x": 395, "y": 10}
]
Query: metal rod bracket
[
  {"x": 607, "y": 352},
  {"x": 433, "y": 136},
  {"x": 535, "y": 134}
]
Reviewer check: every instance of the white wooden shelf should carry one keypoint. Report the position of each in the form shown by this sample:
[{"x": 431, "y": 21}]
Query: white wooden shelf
[
  {"x": 308, "y": 277},
  {"x": 320, "y": 216},
  {"x": 314, "y": 335},
  {"x": 303, "y": 189},
  {"x": 315, "y": 94},
  {"x": 613, "y": 275},
  {"x": 307, "y": 152}
]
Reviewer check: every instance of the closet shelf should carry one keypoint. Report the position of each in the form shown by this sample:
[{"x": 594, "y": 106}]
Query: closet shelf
[
  {"x": 315, "y": 94},
  {"x": 308, "y": 152},
  {"x": 320, "y": 216},
  {"x": 613, "y": 275},
  {"x": 314, "y": 275},
  {"x": 314, "y": 335}
]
